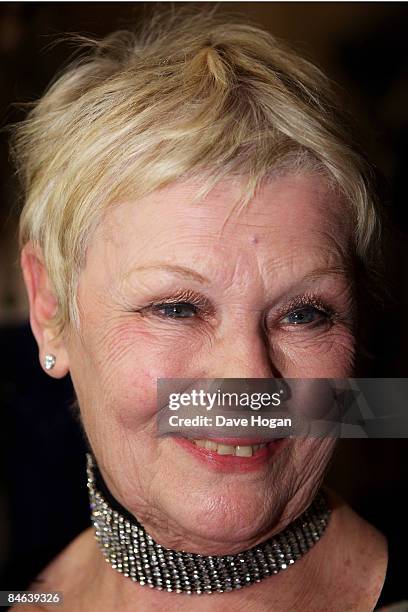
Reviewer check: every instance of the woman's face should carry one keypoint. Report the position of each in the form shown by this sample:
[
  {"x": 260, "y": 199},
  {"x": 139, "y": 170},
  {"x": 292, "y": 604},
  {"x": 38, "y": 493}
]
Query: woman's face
[{"x": 238, "y": 288}]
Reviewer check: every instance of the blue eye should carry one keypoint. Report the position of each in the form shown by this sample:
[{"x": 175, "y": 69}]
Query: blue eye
[
  {"x": 179, "y": 310},
  {"x": 302, "y": 316}
]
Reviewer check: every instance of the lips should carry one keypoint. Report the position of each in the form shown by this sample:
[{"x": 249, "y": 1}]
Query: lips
[{"x": 232, "y": 454}]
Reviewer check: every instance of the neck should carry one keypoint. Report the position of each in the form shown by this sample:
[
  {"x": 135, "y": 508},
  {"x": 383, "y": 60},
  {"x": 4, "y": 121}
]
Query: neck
[
  {"x": 131, "y": 551},
  {"x": 344, "y": 570}
]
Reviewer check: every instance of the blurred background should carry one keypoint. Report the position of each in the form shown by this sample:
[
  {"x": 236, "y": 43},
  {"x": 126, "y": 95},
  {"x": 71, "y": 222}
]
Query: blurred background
[{"x": 363, "y": 47}]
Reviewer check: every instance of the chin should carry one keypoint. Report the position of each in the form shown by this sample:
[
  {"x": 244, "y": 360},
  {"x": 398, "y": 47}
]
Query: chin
[{"x": 224, "y": 520}]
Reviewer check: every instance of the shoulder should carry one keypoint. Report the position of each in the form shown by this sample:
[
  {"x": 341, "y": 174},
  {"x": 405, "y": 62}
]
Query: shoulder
[
  {"x": 70, "y": 566},
  {"x": 363, "y": 539},
  {"x": 66, "y": 573},
  {"x": 361, "y": 551}
]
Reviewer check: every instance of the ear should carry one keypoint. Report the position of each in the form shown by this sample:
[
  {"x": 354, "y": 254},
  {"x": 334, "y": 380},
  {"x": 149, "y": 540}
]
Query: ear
[{"x": 43, "y": 305}]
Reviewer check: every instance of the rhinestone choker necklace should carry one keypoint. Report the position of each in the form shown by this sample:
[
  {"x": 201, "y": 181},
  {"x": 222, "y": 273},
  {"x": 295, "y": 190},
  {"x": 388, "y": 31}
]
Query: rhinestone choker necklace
[{"x": 132, "y": 551}]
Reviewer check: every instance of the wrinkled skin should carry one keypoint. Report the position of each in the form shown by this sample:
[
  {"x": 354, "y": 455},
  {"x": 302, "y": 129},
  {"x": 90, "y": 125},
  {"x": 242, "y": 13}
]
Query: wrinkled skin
[{"x": 293, "y": 240}]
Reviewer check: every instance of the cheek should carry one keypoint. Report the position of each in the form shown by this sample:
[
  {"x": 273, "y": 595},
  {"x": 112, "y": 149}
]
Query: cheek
[{"x": 126, "y": 362}]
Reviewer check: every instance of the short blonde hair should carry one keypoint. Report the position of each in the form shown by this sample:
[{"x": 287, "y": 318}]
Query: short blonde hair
[{"x": 186, "y": 94}]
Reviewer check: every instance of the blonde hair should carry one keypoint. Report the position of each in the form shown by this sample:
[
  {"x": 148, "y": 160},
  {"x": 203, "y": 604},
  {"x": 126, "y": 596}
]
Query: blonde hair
[{"x": 189, "y": 93}]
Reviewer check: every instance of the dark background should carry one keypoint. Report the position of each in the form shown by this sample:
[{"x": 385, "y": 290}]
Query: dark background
[{"x": 363, "y": 46}]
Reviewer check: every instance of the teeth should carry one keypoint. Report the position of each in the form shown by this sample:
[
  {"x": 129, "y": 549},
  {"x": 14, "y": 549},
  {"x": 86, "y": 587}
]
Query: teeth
[
  {"x": 227, "y": 449},
  {"x": 243, "y": 451}
]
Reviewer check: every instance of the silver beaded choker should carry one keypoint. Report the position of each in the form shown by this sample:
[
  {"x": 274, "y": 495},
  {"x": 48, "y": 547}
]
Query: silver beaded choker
[{"x": 133, "y": 552}]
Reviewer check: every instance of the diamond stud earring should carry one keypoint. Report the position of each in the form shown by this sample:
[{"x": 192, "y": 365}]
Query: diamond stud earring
[{"x": 49, "y": 361}]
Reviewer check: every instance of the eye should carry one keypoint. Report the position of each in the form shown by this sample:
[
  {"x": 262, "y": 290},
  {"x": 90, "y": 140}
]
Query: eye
[
  {"x": 305, "y": 316},
  {"x": 176, "y": 310}
]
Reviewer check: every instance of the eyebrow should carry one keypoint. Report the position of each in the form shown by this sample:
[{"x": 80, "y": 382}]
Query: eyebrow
[
  {"x": 173, "y": 269},
  {"x": 341, "y": 270}
]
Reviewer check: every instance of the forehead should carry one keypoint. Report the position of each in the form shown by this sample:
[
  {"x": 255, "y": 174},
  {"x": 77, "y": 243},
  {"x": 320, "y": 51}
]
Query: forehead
[{"x": 290, "y": 214}]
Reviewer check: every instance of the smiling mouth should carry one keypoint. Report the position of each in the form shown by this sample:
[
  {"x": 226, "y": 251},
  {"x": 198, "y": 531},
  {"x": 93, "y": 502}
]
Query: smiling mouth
[{"x": 232, "y": 453}]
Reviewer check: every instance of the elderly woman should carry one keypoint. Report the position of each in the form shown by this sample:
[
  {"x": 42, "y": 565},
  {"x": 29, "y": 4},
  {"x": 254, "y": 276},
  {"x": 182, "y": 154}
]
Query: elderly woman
[{"x": 194, "y": 209}]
